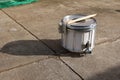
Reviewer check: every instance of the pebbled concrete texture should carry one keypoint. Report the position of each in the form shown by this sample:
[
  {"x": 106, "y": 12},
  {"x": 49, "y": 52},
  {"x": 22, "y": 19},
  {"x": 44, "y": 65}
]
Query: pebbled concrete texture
[
  {"x": 49, "y": 69},
  {"x": 31, "y": 48},
  {"x": 17, "y": 46},
  {"x": 104, "y": 64},
  {"x": 42, "y": 18}
]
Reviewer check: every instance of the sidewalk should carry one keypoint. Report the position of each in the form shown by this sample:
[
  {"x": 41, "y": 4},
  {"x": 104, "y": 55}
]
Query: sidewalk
[{"x": 30, "y": 42}]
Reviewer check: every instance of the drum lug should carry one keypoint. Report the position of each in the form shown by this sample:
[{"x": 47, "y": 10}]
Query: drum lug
[{"x": 87, "y": 48}]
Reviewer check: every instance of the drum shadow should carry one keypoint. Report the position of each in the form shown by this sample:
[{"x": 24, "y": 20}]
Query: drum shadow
[{"x": 36, "y": 47}]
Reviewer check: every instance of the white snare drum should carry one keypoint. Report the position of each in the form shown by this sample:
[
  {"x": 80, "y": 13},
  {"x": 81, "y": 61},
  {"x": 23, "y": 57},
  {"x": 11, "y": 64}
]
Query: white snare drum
[{"x": 78, "y": 37}]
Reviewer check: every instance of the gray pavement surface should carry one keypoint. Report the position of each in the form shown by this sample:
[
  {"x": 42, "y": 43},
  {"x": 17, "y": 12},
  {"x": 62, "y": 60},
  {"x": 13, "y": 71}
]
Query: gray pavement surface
[{"x": 30, "y": 43}]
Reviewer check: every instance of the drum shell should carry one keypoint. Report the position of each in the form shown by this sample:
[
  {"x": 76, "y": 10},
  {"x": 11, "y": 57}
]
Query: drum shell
[{"x": 75, "y": 41}]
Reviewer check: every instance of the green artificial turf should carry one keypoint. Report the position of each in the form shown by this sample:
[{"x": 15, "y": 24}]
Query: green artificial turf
[{"x": 9, "y": 3}]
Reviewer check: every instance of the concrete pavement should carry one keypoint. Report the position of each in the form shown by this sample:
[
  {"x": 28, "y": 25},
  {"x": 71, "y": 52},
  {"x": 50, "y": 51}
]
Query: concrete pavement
[{"x": 30, "y": 42}]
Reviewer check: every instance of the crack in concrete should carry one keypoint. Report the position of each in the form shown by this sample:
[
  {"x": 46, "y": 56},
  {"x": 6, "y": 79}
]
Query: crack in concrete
[
  {"x": 71, "y": 69},
  {"x": 108, "y": 41},
  {"x": 22, "y": 65},
  {"x": 27, "y": 30}
]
